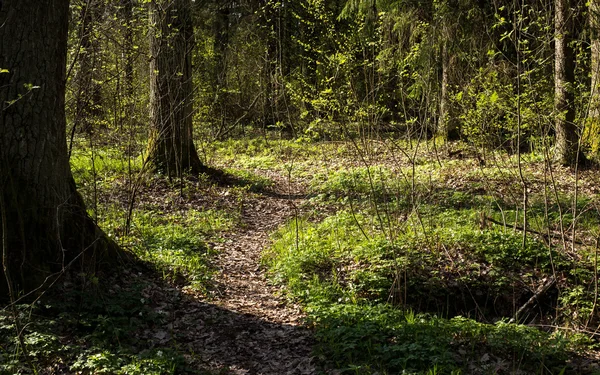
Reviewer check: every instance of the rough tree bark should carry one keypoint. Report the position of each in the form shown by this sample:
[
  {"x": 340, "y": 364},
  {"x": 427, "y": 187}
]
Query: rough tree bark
[
  {"x": 88, "y": 96},
  {"x": 171, "y": 148},
  {"x": 593, "y": 128},
  {"x": 43, "y": 222},
  {"x": 567, "y": 137}
]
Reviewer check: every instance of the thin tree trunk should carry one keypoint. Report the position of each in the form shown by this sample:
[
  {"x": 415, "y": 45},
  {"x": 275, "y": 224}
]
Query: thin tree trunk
[
  {"x": 221, "y": 43},
  {"x": 127, "y": 53},
  {"x": 593, "y": 130},
  {"x": 171, "y": 148},
  {"x": 89, "y": 92},
  {"x": 44, "y": 221},
  {"x": 447, "y": 127},
  {"x": 567, "y": 138}
]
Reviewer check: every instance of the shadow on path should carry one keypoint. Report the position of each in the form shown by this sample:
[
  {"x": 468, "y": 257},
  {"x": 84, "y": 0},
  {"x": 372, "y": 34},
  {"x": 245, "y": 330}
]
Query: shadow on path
[{"x": 224, "y": 341}]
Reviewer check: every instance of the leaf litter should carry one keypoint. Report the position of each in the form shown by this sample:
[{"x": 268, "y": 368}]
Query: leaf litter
[{"x": 243, "y": 325}]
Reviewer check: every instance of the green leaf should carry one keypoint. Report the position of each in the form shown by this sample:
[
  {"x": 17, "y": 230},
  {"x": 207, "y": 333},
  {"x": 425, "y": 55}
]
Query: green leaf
[{"x": 494, "y": 97}]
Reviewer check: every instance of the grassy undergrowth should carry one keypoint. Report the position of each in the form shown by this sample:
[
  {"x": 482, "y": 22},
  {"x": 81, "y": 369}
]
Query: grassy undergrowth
[
  {"x": 348, "y": 256},
  {"x": 369, "y": 339},
  {"x": 421, "y": 266},
  {"x": 106, "y": 324},
  {"x": 174, "y": 242},
  {"x": 405, "y": 262},
  {"x": 360, "y": 289}
]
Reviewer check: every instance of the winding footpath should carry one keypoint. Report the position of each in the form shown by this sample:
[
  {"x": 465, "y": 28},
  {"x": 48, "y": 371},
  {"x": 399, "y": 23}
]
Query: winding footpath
[{"x": 245, "y": 326}]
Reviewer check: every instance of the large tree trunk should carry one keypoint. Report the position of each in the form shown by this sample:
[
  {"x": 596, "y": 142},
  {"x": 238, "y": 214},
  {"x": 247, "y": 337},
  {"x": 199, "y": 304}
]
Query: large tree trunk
[
  {"x": 567, "y": 137},
  {"x": 43, "y": 222},
  {"x": 171, "y": 149}
]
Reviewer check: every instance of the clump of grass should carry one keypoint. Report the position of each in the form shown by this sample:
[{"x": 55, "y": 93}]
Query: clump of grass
[
  {"x": 348, "y": 253},
  {"x": 368, "y": 339},
  {"x": 150, "y": 362},
  {"x": 397, "y": 189},
  {"x": 359, "y": 182},
  {"x": 106, "y": 163},
  {"x": 175, "y": 243},
  {"x": 298, "y": 158},
  {"x": 252, "y": 181}
]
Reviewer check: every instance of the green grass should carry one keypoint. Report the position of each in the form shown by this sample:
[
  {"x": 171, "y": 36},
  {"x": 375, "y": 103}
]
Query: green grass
[
  {"x": 298, "y": 158},
  {"x": 358, "y": 283},
  {"x": 370, "y": 339},
  {"x": 252, "y": 181},
  {"x": 351, "y": 258},
  {"x": 174, "y": 243},
  {"x": 106, "y": 163},
  {"x": 408, "y": 276}
]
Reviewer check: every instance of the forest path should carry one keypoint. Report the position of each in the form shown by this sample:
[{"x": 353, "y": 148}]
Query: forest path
[{"x": 246, "y": 326}]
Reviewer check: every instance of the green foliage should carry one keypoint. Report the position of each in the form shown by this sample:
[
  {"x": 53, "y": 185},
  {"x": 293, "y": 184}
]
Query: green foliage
[
  {"x": 102, "y": 164},
  {"x": 154, "y": 362},
  {"x": 252, "y": 181},
  {"x": 347, "y": 256},
  {"x": 252, "y": 153},
  {"x": 367, "y": 339},
  {"x": 376, "y": 183},
  {"x": 488, "y": 109},
  {"x": 175, "y": 243},
  {"x": 85, "y": 332},
  {"x": 360, "y": 182},
  {"x": 353, "y": 279}
]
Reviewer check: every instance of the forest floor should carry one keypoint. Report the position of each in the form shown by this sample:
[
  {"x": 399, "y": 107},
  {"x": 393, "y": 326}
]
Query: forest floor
[
  {"x": 238, "y": 322},
  {"x": 327, "y": 258},
  {"x": 253, "y": 328}
]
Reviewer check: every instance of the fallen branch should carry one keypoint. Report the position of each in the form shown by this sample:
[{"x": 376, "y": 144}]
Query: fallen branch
[
  {"x": 223, "y": 132},
  {"x": 536, "y": 296}
]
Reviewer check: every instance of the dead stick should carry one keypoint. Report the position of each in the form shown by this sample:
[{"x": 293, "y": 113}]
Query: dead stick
[{"x": 538, "y": 293}]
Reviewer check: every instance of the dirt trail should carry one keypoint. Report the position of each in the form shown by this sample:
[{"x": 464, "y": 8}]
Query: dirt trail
[{"x": 246, "y": 327}]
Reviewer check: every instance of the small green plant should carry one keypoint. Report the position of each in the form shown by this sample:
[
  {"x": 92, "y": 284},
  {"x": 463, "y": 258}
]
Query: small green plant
[{"x": 152, "y": 362}]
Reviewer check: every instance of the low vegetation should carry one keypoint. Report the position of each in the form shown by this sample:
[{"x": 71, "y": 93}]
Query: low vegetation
[
  {"x": 404, "y": 261},
  {"x": 423, "y": 266}
]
